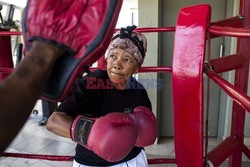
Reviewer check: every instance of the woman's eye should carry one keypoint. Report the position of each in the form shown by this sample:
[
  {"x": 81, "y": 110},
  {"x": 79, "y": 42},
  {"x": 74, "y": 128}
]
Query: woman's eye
[
  {"x": 127, "y": 60},
  {"x": 112, "y": 56}
]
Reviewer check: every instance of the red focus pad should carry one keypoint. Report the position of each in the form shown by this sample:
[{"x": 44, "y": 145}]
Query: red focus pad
[
  {"x": 111, "y": 137},
  {"x": 145, "y": 125},
  {"x": 82, "y": 27}
]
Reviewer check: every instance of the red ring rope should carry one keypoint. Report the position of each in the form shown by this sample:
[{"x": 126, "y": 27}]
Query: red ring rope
[
  {"x": 230, "y": 31},
  {"x": 8, "y": 33},
  {"x": 6, "y": 70},
  {"x": 70, "y": 158}
]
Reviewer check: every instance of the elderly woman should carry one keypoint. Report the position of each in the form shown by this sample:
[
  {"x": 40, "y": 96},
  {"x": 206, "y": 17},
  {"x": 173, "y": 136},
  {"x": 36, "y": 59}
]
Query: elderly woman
[{"x": 108, "y": 113}]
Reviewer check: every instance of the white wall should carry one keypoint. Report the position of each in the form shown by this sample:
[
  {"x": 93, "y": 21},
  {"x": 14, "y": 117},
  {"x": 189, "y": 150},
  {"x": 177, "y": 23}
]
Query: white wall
[{"x": 129, "y": 9}]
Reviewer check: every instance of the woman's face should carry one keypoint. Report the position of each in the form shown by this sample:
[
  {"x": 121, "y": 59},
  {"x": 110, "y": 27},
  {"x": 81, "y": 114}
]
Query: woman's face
[{"x": 121, "y": 65}]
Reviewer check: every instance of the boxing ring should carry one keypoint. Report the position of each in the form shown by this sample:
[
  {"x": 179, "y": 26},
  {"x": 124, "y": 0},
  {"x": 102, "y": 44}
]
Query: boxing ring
[{"x": 193, "y": 32}]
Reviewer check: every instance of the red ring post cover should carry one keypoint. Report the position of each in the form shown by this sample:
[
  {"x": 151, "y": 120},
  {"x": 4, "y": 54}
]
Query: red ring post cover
[{"x": 187, "y": 79}]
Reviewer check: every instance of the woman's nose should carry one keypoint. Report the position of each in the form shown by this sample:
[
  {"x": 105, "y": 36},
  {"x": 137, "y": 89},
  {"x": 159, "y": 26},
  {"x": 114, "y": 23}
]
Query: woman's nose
[
  {"x": 117, "y": 64},
  {"x": 117, "y": 67}
]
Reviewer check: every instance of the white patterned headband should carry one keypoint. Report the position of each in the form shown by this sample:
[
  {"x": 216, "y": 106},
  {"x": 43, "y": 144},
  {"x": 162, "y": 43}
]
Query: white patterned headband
[{"x": 133, "y": 42}]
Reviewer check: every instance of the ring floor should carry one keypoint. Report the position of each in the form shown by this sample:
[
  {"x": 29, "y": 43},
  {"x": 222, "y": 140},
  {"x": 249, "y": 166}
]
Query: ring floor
[{"x": 34, "y": 139}]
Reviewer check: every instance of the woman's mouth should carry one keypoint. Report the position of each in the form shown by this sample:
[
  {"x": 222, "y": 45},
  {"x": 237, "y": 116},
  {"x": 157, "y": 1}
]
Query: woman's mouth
[{"x": 115, "y": 73}]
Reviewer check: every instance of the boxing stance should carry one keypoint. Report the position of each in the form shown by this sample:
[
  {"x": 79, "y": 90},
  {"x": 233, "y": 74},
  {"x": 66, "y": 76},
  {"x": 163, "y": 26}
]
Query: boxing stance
[
  {"x": 51, "y": 29},
  {"x": 108, "y": 113}
]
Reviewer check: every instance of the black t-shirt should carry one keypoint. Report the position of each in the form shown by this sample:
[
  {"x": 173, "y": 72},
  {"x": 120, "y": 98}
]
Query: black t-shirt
[{"x": 94, "y": 95}]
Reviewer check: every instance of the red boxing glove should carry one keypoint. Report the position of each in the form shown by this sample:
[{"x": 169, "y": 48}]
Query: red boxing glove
[
  {"x": 145, "y": 125},
  {"x": 111, "y": 137}
]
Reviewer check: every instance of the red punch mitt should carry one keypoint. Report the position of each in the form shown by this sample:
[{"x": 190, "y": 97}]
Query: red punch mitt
[
  {"x": 145, "y": 125},
  {"x": 111, "y": 137},
  {"x": 82, "y": 27}
]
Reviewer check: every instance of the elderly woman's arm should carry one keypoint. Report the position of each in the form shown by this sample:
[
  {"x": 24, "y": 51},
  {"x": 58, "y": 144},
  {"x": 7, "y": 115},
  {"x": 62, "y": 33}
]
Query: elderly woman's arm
[{"x": 59, "y": 123}]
